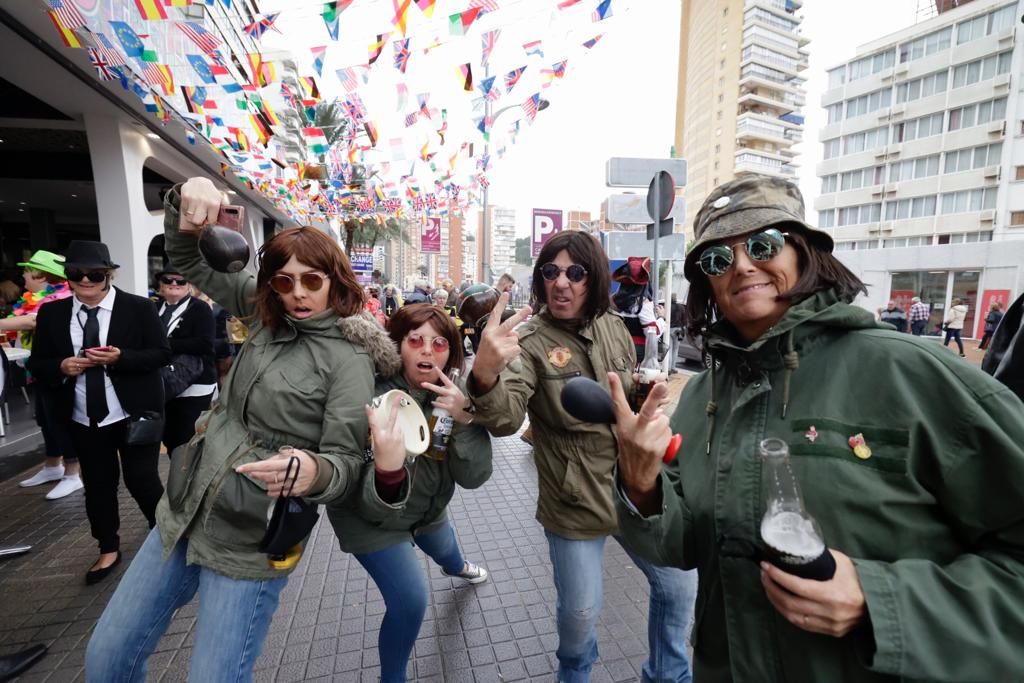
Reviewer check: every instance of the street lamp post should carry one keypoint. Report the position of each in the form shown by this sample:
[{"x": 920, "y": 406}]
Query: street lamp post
[{"x": 489, "y": 120}]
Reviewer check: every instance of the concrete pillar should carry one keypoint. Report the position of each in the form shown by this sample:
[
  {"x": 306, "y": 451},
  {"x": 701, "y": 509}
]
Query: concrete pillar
[{"x": 118, "y": 153}]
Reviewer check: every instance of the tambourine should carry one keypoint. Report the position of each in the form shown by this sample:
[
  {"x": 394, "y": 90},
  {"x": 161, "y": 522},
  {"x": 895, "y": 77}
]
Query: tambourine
[{"x": 410, "y": 420}]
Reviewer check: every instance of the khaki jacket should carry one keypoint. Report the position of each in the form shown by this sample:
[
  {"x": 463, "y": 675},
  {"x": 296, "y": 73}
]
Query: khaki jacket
[{"x": 574, "y": 459}]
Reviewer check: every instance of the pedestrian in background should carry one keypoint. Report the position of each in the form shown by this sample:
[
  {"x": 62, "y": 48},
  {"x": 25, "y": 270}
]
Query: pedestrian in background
[
  {"x": 995, "y": 314},
  {"x": 634, "y": 304},
  {"x": 917, "y": 495},
  {"x": 919, "y": 314},
  {"x": 575, "y": 334},
  {"x": 895, "y": 316},
  {"x": 954, "y": 323},
  {"x": 99, "y": 353}
]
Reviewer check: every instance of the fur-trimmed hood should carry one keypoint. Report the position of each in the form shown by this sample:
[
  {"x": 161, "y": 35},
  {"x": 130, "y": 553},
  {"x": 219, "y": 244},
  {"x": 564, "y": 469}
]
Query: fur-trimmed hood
[{"x": 362, "y": 329}]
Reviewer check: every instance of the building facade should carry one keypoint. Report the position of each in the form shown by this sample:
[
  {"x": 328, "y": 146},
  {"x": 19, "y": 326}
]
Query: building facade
[
  {"x": 922, "y": 182},
  {"x": 741, "y": 92},
  {"x": 501, "y": 243}
]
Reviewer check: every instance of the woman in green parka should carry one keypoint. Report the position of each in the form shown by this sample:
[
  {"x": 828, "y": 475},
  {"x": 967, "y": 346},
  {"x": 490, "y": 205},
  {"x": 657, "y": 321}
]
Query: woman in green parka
[
  {"x": 911, "y": 462},
  {"x": 402, "y": 502},
  {"x": 297, "y": 390}
]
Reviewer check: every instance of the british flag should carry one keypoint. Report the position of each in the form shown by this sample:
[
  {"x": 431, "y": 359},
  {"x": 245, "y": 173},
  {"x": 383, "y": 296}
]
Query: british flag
[
  {"x": 482, "y": 179},
  {"x": 68, "y": 13},
  {"x": 402, "y": 54},
  {"x": 512, "y": 77},
  {"x": 103, "y": 67},
  {"x": 206, "y": 41},
  {"x": 488, "y": 40}
]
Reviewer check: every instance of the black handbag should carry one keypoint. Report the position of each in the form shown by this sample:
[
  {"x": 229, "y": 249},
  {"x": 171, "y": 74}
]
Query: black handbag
[
  {"x": 292, "y": 520},
  {"x": 144, "y": 429},
  {"x": 182, "y": 372}
]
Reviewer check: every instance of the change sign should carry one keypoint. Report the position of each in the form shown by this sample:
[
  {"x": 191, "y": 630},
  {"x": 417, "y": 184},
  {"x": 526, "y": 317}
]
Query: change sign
[{"x": 546, "y": 222}]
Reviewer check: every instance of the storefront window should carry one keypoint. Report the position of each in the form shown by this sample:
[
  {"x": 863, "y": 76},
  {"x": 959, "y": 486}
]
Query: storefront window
[
  {"x": 930, "y": 286},
  {"x": 965, "y": 288}
]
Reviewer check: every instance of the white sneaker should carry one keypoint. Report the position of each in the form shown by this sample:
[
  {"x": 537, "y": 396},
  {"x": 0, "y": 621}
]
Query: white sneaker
[
  {"x": 472, "y": 573},
  {"x": 43, "y": 476},
  {"x": 66, "y": 487}
]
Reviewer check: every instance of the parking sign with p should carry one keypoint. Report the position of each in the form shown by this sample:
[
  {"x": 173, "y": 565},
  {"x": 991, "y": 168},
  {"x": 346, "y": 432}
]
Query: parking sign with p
[{"x": 546, "y": 222}]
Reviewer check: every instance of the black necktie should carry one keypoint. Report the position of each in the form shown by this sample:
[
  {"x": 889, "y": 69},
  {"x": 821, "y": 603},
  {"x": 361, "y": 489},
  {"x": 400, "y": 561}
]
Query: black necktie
[
  {"x": 95, "y": 391},
  {"x": 165, "y": 317}
]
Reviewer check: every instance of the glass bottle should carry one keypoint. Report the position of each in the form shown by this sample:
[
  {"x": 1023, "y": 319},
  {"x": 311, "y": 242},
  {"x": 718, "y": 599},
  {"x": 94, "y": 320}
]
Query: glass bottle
[
  {"x": 792, "y": 539},
  {"x": 649, "y": 368},
  {"x": 441, "y": 424}
]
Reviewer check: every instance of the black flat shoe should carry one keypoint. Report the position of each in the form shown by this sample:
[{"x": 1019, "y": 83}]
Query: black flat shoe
[
  {"x": 94, "y": 576},
  {"x": 17, "y": 663}
]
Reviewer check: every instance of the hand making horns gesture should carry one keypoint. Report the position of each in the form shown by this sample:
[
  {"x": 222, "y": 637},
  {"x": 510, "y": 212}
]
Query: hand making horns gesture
[{"x": 642, "y": 438}]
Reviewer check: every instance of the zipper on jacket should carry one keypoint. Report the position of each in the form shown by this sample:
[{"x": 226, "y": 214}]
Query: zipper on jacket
[{"x": 566, "y": 375}]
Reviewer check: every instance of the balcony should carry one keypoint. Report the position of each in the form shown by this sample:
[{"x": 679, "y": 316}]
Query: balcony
[
  {"x": 748, "y": 161},
  {"x": 766, "y": 99}
]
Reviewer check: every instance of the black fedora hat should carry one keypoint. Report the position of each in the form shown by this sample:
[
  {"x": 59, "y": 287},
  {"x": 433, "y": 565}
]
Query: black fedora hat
[{"x": 88, "y": 254}]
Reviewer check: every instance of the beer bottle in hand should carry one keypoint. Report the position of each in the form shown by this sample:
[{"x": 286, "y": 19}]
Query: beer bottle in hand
[
  {"x": 441, "y": 424},
  {"x": 649, "y": 368}
]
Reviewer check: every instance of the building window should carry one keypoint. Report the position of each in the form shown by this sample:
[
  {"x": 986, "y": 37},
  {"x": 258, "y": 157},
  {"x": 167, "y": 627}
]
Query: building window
[
  {"x": 725, "y": 11},
  {"x": 1017, "y": 218},
  {"x": 718, "y": 149},
  {"x": 721, "y": 64},
  {"x": 718, "y": 115},
  {"x": 720, "y": 97},
  {"x": 714, "y": 181},
  {"x": 1018, "y": 172},
  {"x": 716, "y": 165}
]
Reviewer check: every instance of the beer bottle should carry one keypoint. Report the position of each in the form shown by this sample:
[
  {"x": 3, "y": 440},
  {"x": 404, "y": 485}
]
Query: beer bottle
[
  {"x": 649, "y": 368},
  {"x": 441, "y": 424}
]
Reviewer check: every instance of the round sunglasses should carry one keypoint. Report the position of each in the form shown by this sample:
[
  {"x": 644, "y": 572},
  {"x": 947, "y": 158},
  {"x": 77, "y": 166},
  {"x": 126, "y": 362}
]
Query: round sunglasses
[
  {"x": 77, "y": 275},
  {"x": 284, "y": 284},
  {"x": 762, "y": 246},
  {"x": 417, "y": 340},
  {"x": 575, "y": 272}
]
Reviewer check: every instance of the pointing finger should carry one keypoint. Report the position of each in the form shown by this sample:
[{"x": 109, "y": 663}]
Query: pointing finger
[
  {"x": 652, "y": 406},
  {"x": 620, "y": 406},
  {"x": 494, "y": 318},
  {"x": 520, "y": 315}
]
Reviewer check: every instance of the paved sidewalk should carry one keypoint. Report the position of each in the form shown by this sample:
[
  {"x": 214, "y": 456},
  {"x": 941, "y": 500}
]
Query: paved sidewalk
[{"x": 326, "y": 627}]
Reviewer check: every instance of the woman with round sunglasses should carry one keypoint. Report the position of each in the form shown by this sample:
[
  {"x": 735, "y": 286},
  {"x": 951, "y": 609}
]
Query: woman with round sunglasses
[
  {"x": 402, "y": 502},
  {"x": 910, "y": 462},
  {"x": 294, "y": 396},
  {"x": 576, "y": 333}
]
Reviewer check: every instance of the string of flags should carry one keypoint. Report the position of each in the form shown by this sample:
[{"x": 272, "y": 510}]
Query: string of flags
[{"x": 234, "y": 102}]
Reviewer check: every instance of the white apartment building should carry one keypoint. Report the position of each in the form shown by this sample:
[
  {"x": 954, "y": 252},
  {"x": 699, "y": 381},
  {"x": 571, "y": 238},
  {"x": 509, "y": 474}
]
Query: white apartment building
[
  {"x": 922, "y": 182},
  {"x": 503, "y": 240}
]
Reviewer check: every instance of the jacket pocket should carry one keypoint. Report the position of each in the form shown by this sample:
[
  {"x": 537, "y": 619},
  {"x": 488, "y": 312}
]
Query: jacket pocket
[
  {"x": 239, "y": 513},
  {"x": 572, "y": 491},
  {"x": 888, "y": 447},
  {"x": 549, "y": 391},
  {"x": 184, "y": 463}
]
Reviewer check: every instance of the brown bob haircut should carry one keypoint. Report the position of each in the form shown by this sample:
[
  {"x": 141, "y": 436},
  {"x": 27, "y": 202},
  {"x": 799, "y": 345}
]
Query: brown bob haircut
[
  {"x": 319, "y": 252},
  {"x": 584, "y": 249},
  {"x": 408, "y": 318},
  {"x": 819, "y": 270}
]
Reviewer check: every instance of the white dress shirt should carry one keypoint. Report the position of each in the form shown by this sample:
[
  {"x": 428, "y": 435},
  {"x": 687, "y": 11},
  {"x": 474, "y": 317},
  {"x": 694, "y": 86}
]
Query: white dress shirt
[
  {"x": 78, "y": 318},
  {"x": 192, "y": 389}
]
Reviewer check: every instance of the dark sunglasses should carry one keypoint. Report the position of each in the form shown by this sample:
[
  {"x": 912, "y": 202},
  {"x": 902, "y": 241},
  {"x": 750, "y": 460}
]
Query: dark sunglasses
[
  {"x": 284, "y": 284},
  {"x": 168, "y": 280},
  {"x": 417, "y": 340},
  {"x": 762, "y": 246},
  {"x": 575, "y": 272},
  {"x": 77, "y": 275}
]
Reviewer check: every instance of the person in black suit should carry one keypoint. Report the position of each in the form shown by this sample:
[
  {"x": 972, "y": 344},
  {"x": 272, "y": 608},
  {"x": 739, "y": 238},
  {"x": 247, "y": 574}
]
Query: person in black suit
[
  {"x": 100, "y": 353},
  {"x": 190, "y": 330}
]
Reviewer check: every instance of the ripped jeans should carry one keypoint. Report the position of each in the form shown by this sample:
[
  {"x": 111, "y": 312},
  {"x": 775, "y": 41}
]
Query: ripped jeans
[{"x": 578, "y": 582}]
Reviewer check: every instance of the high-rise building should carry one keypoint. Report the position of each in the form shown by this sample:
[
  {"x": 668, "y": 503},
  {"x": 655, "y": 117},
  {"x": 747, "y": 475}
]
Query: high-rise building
[
  {"x": 741, "y": 92},
  {"x": 501, "y": 242},
  {"x": 456, "y": 226},
  {"x": 923, "y": 161},
  {"x": 578, "y": 220}
]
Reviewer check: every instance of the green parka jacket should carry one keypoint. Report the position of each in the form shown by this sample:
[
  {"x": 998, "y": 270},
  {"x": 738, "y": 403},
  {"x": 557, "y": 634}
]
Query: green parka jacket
[
  {"x": 304, "y": 386},
  {"x": 933, "y": 519},
  {"x": 364, "y": 523},
  {"x": 574, "y": 459}
]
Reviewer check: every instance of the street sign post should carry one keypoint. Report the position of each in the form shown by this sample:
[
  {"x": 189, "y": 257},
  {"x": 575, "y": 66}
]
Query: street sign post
[
  {"x": 661, "y": 194},
  {"x": 632, "y": 172}
]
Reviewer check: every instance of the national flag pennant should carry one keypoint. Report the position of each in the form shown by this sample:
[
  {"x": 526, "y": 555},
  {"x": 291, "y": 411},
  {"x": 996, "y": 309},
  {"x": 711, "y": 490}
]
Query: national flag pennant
[
  {"x": 195, "y": 98},
  {"x": 318, "y": 58},
  {"x": 533, "y": 48},
  {"x": 402, "y": 54},
  {"x": 401, "y": 19},
  {"x": 589, "y": 44},
  {"x": 530, "y": 107},
  {"x": 466, "y": 73},
  {"x": 484, "y": 6},
  {"x": 159, "y": 74},
  {"x": 106, "y": 49},
  {"x": 487, "y": 88},
  {"x": 355, "y": 108},
  {"x": 603, "y": 11},
  {"x": 263, "y": 73},
  {"x": 403, "y": 96},
  {"x": 348, "y": 79},
  {"x": 556, "y": 72},
  {"x": 425, "y": 153},
  {"x": 332, "y": 10},
  {"x": 197, "y": 33},
  {"x": 158, "y": 107},
  {"x": 371, "y": 132},
  {"x": 565, "y": 4},
  {"x": 67, "y": 36},
  {"x": 257, "y": 28},
  {"x": 308, "y": 84},
  {"x": 376, "y": 48},
  {"x": 512, "y": 77},
  {"x": 459, "y": 23},
  {"x": 262, "y": 128},
  {"x": 177, "y": 3},
  {"x": 68, "y": 13},
  {"x": 411, "y": 119},
  {"x": 128, "y": 38},
  {"x": 104, "y": 70},
  {"x": 427, "y": 7},
  {"x": 424, "y": 109},
  {"x": 151, "y": 9},
  {"x": 436, "y": 42},
  {"x": 488, "y": 40}
]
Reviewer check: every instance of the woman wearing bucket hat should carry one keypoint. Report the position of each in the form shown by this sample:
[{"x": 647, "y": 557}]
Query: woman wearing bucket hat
[
  {"x": 45, "y": 282},
  {"x": 910, "y": 462},
  {"x": 100, "y": 352}
]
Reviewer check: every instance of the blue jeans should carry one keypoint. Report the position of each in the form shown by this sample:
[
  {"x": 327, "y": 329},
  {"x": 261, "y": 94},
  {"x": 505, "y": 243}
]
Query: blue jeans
[
  {"x": 578, "y": 583},
  {"x": 231, "y": 623},
  {"x": 917, "y": 327},
  {"x": 399, "y": 577},
  {"x": 955, "y": 336}
]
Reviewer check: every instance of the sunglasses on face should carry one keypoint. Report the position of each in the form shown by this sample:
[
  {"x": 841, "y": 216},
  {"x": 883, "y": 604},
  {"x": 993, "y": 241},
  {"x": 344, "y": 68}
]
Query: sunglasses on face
[
  {"x": 437, "y": 344},
  {"x": 762, "y": 247},
  {"x": 284, "y": 284},
  {"x": 575, "y": 272},
  {"x": 168, "y": 280},
  {"x": 77, "y": 275}
]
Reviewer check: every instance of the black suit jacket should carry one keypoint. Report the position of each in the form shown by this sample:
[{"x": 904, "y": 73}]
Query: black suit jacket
[
  {"x": 194, "y": 335},
  {"x": 135, "y": 329}
]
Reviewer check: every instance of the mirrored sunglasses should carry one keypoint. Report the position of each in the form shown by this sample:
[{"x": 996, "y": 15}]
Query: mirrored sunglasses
[
  {"x": 437, "y": 344},
  {"x": 168, "y": 280},
  {"x": 575, "y": 272},
  {"x": 77, "y": 275},
  {"x": 284, "y": 284},
  {"x": 762, "y": 247}
]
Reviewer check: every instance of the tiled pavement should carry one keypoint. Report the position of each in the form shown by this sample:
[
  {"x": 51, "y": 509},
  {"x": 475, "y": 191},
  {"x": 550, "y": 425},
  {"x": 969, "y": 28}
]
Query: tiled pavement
[{"x": 326, "y": 627}]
